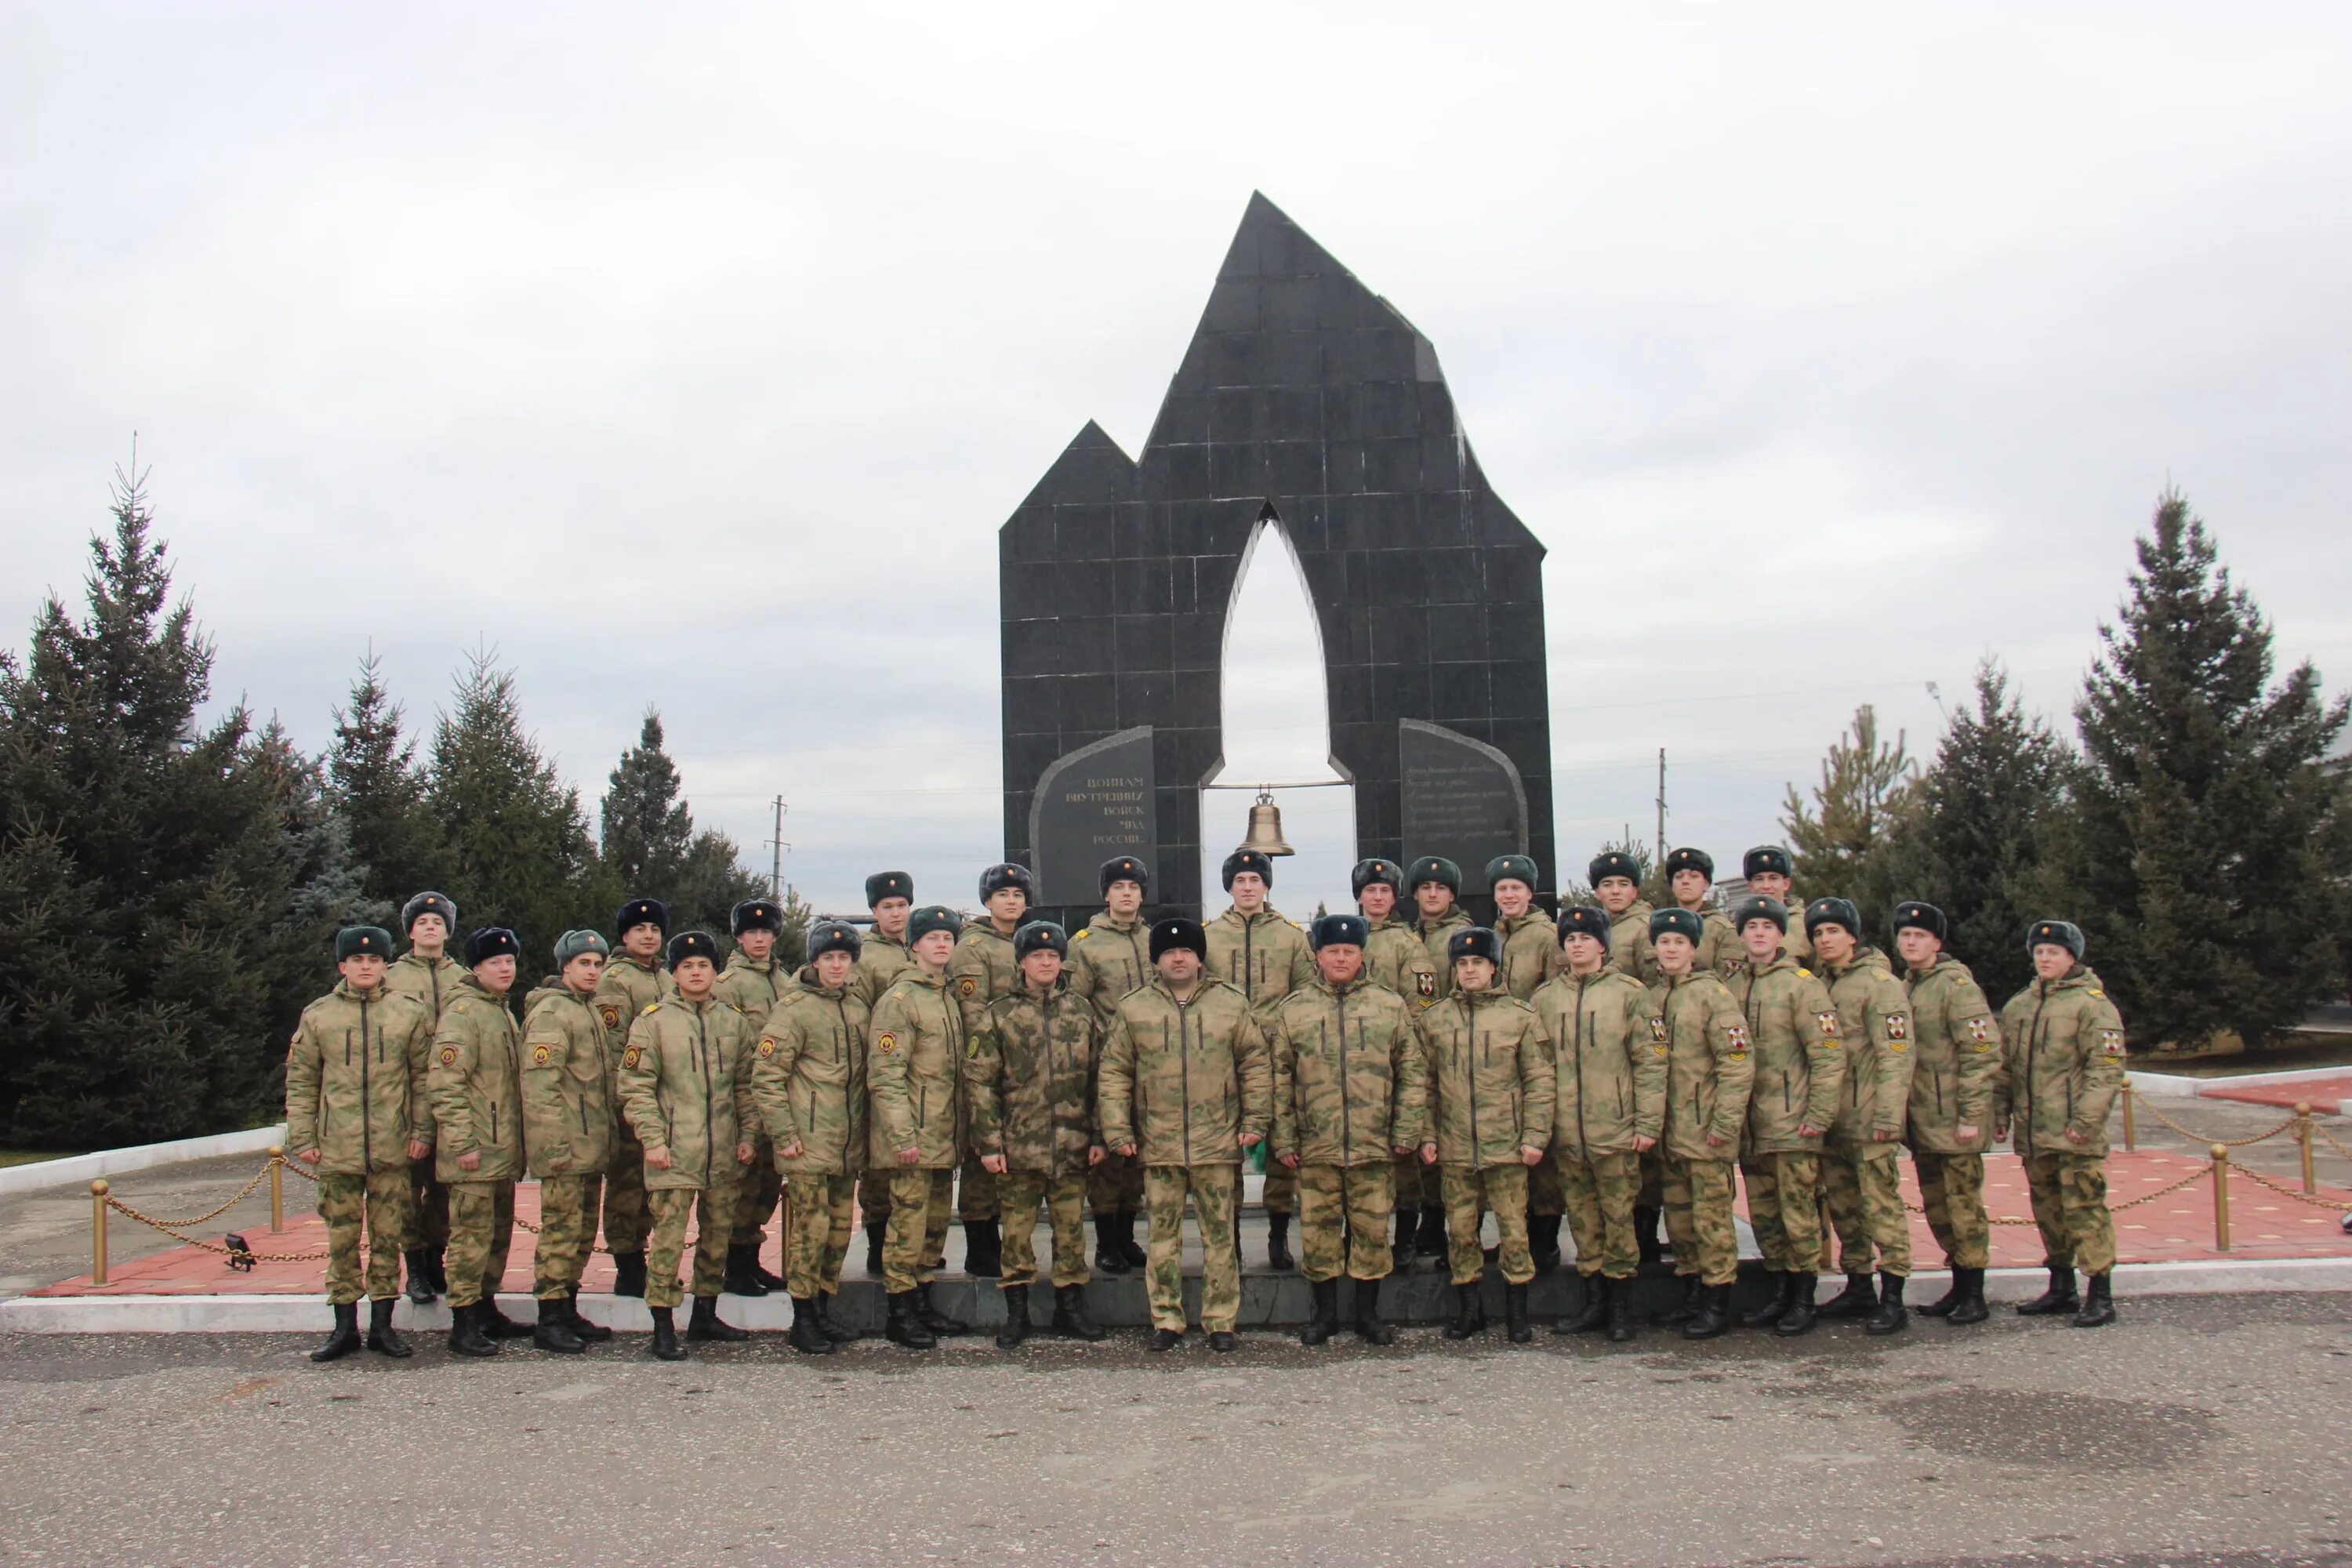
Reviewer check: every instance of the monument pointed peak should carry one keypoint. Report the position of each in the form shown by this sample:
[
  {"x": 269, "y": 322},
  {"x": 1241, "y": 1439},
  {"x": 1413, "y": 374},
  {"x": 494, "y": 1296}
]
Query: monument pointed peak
[
  {"x": 1093, "y": 435},
  {"x": 1270, "y": 244}
]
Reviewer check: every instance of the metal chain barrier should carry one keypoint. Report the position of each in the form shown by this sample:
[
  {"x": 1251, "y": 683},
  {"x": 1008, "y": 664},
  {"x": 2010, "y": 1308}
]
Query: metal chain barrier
[
  {"x": 2195, "y": 1137},
  {"x": 2331, "y": 1143},
  {"x": 222, "y": 1249},
  {"x": 172, "y": 1225},
  {"x": 2165, "y": 1191},
  {"x": 2252, "y": 1174}
]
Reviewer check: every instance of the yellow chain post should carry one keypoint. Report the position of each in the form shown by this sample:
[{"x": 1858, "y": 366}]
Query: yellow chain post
[
  {"x": 2221, "y": 1197},
  {"x": 98, "y": 1231},
  {"x": 2303, "y": 1136},
  {"x": 2131, "y": 1131},
  {"x": 277, "y": 1188}
]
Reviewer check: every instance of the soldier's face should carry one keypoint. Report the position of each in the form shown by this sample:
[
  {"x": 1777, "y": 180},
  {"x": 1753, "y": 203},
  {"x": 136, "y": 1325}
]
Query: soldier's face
[
  {"x": 1690, "y": 889},
  {"x": 934, "y": 948},
  {"x": 1124, "y": 899},
  {"x": 890, "y": 917},
  {"x": 1179, "y": 966},
  {"x": 695, "y": 977},
  {"x": 1041, "y": 968},
  {"x": 581, "y": 972},
  {"x": 833, "y": 969},
  {"x": 364, "y": 970},
  {"x": 1675, "y": 953},
  {"x": 1512, "y": 897},
  {"x": 1762, "y": 939},
  {"x": 642, "y": 939},
  {"x": 497, "y": 974},
  {"x": 1248, "y": 892},
  {"x": 1919, "y": 947},
  {"x": 1833, "y": 943},
  {"x": 1586, "y": 952},
  {"x": 2051, "y": 962},
  {"x": 1007, "y": 905},
  {"x": 1433, "y": 899},
  {"x": 1616, "y": 894},
  {"x": 1340, "y": 961},
  {"x": 1378, "y": 901},
  {"x": 757, "y": 945},
  {"x": 1771, "y": 884},
  {"x": 1473, "y": 974},
  {"x": 429, "y": 935}
]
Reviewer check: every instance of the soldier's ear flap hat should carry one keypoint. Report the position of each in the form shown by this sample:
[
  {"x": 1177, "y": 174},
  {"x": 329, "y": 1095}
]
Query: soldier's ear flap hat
[
  {"x": 427, "y": 904},
  {"x": 1512, "y": 869},
  {"x": 1677, "y": 923},
  {"x": 1367, "y": 872},
  {"x": 1242, "y": 860},
  {"x": 1912, "y": 914},
  {"x": 2064, "y": 933},
  {"x": 833, "y": 936},
  {"x": 491, "y": 941},
  {"x": 1839, "y": 913},
  {"x": 1757, "y": 907},
  {"x": 573, "y": 943},
  {"x": 997, "y": 878},
  {"x": 889, "y": 884},
  {"x": 688, "y": 944},
  {"x": 1477, "y": 942},
  {"x": 756, "y": 914},
  {"x": 1338, "y": 931},
  {"x": 1040, "y": 936},
  {"x": 642, "y": 913},
  {"x": 1435, "y": 869},
  {"x": 1124, "y": 868},
  {"x": 1765, "y": 860},
  {"x": 1697, "y": 860},
  {"x": 1587, "y": 919},
  {"x": 362, "y": 942},
  {"x": 931, "y": 918},
  {"x": 1178, "y": 931},
  {"x": 1613, "y": 863}
]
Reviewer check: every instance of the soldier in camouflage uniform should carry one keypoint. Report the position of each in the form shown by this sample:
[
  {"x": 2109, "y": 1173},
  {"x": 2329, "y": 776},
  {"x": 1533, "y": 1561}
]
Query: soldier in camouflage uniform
[
  {"x": 1492, "y": 1084},
  {"x": 808, "y": 1078},
  {"x": 354, "y": 1088},
  {"x": 2064, "y": 1045},
  {"x": 1109, "y": 957},
  {"x": 1396, "y": 958},
  {"x": 474, "y": 1083},
  {"x": 1186, "y": 1084},
  {"x": 1531, "y": 956},
  {"x": 1767, "y": 870},
  {"x": 569, "y": 1120},
  {"x": 1254, "y": 949},
  {"x": 1610, "y": 1107},
  {"x": 982, "y": 970},
  {"x": 426, "y": 973},
  {"x": 1030, "y": 1078},
  {"x": 1859, "y": 1165},
  {"x": 1792, "y": 1025},
  {"x": 686, "y": 1087},
  {"x": 1435, "y": 883},
  {"x": 634, "y": 980},
  {"x": 1616, "y": 878},
  {"x": 1955, "y": 1056},
  {"x": 914, "y": 1092},
  {"x": 882, "y": 957},
  {"x": 1690, "y": 876},
  {"x": 754, "y": 981},
  {"x": 1710, "y": 1074},
  {"x": 1349, "y": 1095}
]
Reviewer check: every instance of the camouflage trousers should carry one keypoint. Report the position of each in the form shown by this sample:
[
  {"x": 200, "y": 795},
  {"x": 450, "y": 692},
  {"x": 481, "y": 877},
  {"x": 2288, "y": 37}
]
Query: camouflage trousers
[
  {"x": 714, "y": 1223},
  {"x": 762, "y": 1189},
  {"x": 481, "y": 1230},
  {"x": 628, "y": 1218},
  {"x": 2070, "y": 1205},
  {"x": 1360, "y": 1197},
  {"x": 817, "y": 1239},
  {"x": 1504, "y": 1189},
  {"x": 1596, "y": 1194},
  {"x": 1544, "y": 1195},
  {"x": 916, "y": 1243},
  {"x": 1696, "y": 1196},
  {"x": 1281, "y": 1191},
  {"x": 1116, "y": 1186},
  {"x": 567, "y": 1233},
  {"x": 1865, "y": 1186},
  {"x": 976, "y": 1197},
  {"x": 874, "y": 1195},
  {"x": 381, "y": 1198},
  {"x": 1417, "y": 1186},
  {"x": 1653, "y": 1177},
  {"x": 1065, "y": 1200},
  {"x": 428, "y": 1206},
  {"x": 1784, "y": 1208},
  {"x": 1213, "y": 1190},
  {"x": 1952, "y": 1189}
]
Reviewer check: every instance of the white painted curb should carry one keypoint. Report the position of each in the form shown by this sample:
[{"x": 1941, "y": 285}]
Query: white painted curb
[
  {"x": 2299, "y": 1074},
  {"x": 2164, "y": 1085},
  {"x": 80, "y": 1169}
]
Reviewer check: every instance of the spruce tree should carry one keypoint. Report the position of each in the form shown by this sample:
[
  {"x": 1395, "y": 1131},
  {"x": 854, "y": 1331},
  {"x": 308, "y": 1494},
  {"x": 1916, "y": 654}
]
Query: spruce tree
[
  {"x": 1846, "y": 842},
  {"x": 708, "y": 886},
  {"x": 377, "y": 793},
  {"x": 2209, "y": 846},
  {"x": 648, "y": 830}
]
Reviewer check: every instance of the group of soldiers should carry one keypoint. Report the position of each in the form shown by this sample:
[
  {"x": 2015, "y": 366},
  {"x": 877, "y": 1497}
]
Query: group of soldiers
[{"x": 1610, "y": 1066}]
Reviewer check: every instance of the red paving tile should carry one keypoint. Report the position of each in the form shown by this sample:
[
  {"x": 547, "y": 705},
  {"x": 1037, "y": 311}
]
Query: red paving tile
[
  {"x": 2325, "y": 1096},
  {"x": 2264, "y": 1225}
]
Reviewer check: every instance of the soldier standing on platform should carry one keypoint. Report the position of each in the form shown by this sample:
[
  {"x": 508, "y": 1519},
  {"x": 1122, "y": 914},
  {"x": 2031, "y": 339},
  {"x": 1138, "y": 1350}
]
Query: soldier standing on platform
[
  {"x": 753, "y": 981},
  {"x": 476, "y": 1084},
  {"x": 634, "y": 980},
  {"x": 914, "y": 1091},
  {"x": 1616, "y": 878},
  {"x": 882, "y": 957},
  {"x": 1709, "y": 1074},
  {"x": 982, "y": 970},
  {"x": 1766, "y": 870},
  {"x": 1690, "y": 875},
  {"x": 1261, "y": 954},
  {"x": 1860, "y": 1167},
  {"x": 426, "y": 973},
  {"x": 1531, "y": 956},
  {"x": 1435, "y": 883},
  {"x": 1955, "y": 1070},
  {"x": 1109, "y": 957},
  {"x": 1395, "y": 957},
  {"x": 569, "y": 1121}
]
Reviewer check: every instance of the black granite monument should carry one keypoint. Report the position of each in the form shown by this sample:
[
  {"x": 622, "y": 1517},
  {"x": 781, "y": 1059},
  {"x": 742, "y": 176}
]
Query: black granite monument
[{"x": 1305, "y": 403}]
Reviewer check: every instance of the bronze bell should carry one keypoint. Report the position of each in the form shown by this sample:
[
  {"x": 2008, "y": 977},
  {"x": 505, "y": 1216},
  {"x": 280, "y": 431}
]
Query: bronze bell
[{"x": 1265, "y": 828}]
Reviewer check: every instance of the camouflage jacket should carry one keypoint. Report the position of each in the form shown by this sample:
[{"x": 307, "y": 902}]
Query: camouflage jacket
[
  {"x": 1396, "y": 957},
  {"x": 1186, "y": 1081},
  {"x": 1433, "y": 936},
  {"x": 1956, "y": 1059},
  {"x": 1709, "y": 1068},
  {"x": 568, "y": 1063},
  {"x": 982, "y": 970},
  {"x": 2065, "y": 1043},
  {"x": 1531, "y": 953},
  {"x": 628, "y": 987},
  {"x": 1491, "y": 1079},
  {"x": 356, "y": 1074},
  {"x": 756, "y": 988},
  {"x": 1263, "y": 956},
  {"x": 1610, "y": 1071},
  {"x": 1875, "y": 1030},
  {"x": 686, "y": 1086},
  {"x": 1630, "y": 951},
  {"x": 473, "y": 1082},
  {"x": 880, "y": 960},
  {"x": 432, "y": 981},
  {"x": 1792, "y": 1026},
  {"x": 913, "y": 1071},
  {"x": 808, "y": 1078},
  {"x": 1029, "y": 1076},
  {"x": 1348, "y": 1074},
  {"x": 1720, "y": 948},
  {"x": 1108, "y": 959}
]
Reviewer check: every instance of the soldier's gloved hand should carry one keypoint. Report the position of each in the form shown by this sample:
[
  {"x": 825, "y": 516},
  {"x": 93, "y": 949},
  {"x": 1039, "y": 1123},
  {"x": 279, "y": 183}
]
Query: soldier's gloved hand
[
  {"x": 658, "y": 1159},
  {"x": 308, "y": 1156},
  {"x": 418, "y": 1148},
  {"x": 1429, "y": 1153},
  {"x": 743, "y": 1152},
  {"x": 1290, "y": 1162},
  {"x": 790, "y": 1152},
  {"x": 471, "y": 1159},
  {"x": 1643, "y": 1145},
  {"x": 1096, "y": 1154},
  {"x": 909, "y": 1156},
  {"x": 992, "y": 1163}
]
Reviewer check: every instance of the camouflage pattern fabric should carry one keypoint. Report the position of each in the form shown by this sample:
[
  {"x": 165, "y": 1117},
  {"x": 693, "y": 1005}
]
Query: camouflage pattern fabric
[
  {"x": 1395, "y": 957},
  {"x": 1952, "y": 1189},
  {"x": 628, "y": 1219},
  {"x": 381, "y": 1198},
  {"x": 1957, "y": 1061},
  {"x": 1874, "y": 1036},
  {"x": 2069, "y": 1206},
  {"x": 2066, "y": 1061},
  {"x": 355, "y": 1079},
  {"x": 1865, "y": 1193},
  {"x": 1531, "y": 953},
  {"x": 915, "y": 1245},
  {"x": 818, "y": 1240},
  {"x": 1064, "y": 1197},
  {"x": 1597, "y": 1194},
  {"x": 627, "y": 988},
  {"x": 1698, "y": 1197},
  {"x": 1504, "y": 1189},
  {"x": 567, "y": 1233},
  {"x": 1362, "y": 1198},
  {"x": 1116, "y": 1186},
  {"x": 1630, "y": 952},
  {"x": 1784, "y": 1208},
  {"x": 481, "y": 1231},
  {"x": 712, "y": 1208},
  {"x": 474, "y": 1082},
  {"x": 1212, "y": 1189}
]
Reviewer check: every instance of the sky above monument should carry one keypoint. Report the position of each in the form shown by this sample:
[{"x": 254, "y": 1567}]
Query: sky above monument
[{"x": 693, "y": 358}]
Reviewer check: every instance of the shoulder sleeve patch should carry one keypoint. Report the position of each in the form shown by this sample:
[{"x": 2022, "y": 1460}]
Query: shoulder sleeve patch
[
  {"x": 538, "y": 1056},
  {"x": 650, "y": 1007},
  {"x": 448, "y": 1055},
  {"x": 1898, "y": 1027}
]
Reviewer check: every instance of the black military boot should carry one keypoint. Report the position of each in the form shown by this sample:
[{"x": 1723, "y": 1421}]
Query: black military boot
[
  {"x": 553, "y": 1331},
  {"x": 1776, "y": 1306},
  {"x": 1165, "y": 1339},
  {"x": 1890, "y": 1317},
  {"x": 938, "y": 1322},
  {"x": 774, "y": 1281},
  {"x": 1858, "y": 1300},
  {"x": 2059, "y": 1297},
  {"x": 1136, "y": 1256},
  {"x": 904, "y": 1326},
  {"x": 1324, "y": 1321},
  {"x": 629, "y": 1274},
  {"x": 1070, "y": 1320},
  {"x": 1408, "y": 1223},
  {"x": 1798, "y": 1319},
  {"x": 345, "y": 1339},
  {"x": 1107, "y": 1256},
  {"x": 808, "y": 1335},
  {"x": 1621, "y": 1326},
  {"x": 1370, "y": 1326},
  {"x": 874, "y": 1235},
  {"x": 381, "y": 1337},
  {"x": 1645, "y": 1234},
  {"x": 704, "y": 1323},
  {"x": 1017, "y": 1318},
  {"x": 1429, "y": 1241},
  {"x": 742, "y": 1278},
  {"x": 665, "y": 1346},
  {"x": 1970, "y": 1308},
  {"x": 435, "y": 1268},
  {"x": 1941, "y": 1307},
  {"x": 1222, "y": 1342},
  {"x": 420, "y": 1275},
  {"x": 466, "y": 1334},
  {"x": 1277, "y": 1243},
  {"x": 1712, "y": 1316},
  {"x": 590, "y": 1333},
  {"x": 1515, "y": 1314},
  {"x": 496, "y": 1323},
  {"x": 1595, "y": 1315},
  {"x": 832, "y": 1328},
  {"x": 1543, "y": 1241},
  {"x": 1686, "y": 1308},
  {"x": 983, "y": 1249},
  {"x": 2098, "y": 1305},
  {"x": 1469, "y": 1311}
]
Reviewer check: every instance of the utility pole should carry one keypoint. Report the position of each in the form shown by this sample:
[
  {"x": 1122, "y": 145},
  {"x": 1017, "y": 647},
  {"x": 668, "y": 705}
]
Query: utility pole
[
  {"x": 1661, "y": 807},
  {"x": 776, "y": 861}
]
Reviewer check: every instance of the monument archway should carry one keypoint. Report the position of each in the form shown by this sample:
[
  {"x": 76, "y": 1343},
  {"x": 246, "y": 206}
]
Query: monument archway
[{"x": 1302, "y": 392}]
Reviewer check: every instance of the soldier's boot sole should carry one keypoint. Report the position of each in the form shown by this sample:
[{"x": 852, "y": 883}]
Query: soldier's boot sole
[
  {"x": 1017, "y": 1318},
  {"x": 832, "y": 1328},
  {"x": 1070, "y": 1320},
  {"x": 904, "y": 1326},
  {"x": 1892, "y": 1317},
  {"x": 1712, "y": 1319},
  {"x": 466, "y": 1335},
  {"x": 772, "y": 1282},
  {"x": 592, "y": 1333},
  {"x": 665, "y": 1345},
  {"x": 345, "y": 1338},
  {"x": 1164, "y": 1340},
  {"x": 1621, "y": 1324},
  {"x": 1599, "y": 1297},
  {"x": 2098, "y": 1305},
  {"x": 1128, "y": 1249},
  {"x": 1777, "y": 1306},
  {"x": 1222, "y": 1341},
  {"x": 1514, "y": 1314},
  {"x": 808, "y": 1335},
  {"x": 553, "y": 1330},
  {"x": 1801, "y": 1316},
  {"x": 1970, "y": 1308},
  {"x": 1371, "y": 1327},
  {"x": 706, "y": 1324},
  {"x": 2059, "y": 1297},
  {"x": 740, "y": 1278},
  {"x": 1858, "y": 1300},
  {"x": 1324, "y": 1321},
  {"x": 381, "y": 1337},
  {"x": 1470, "y": 1315},
  {"x": 420, "y": 1277}
]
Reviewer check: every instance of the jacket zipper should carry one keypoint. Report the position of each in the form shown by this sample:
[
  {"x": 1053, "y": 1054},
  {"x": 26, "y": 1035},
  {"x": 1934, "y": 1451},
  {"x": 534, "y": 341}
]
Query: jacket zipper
[
  {"x": 852, "y": 1050},
  {"x": 1185, "y": 1078},
  {"x": 2032, "y": 1059},
  {"x": 1583, "y": 1122},
  {"x": 709, "y": 1099},
  {"x": 1471, "y": 1064},
  {"x": 1346, "y": 1147},
  {"x": 367, "y": 1104}
]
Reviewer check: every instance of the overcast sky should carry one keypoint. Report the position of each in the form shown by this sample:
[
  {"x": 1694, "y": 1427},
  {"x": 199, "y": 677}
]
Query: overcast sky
[{"x": 694, "y": 358}]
